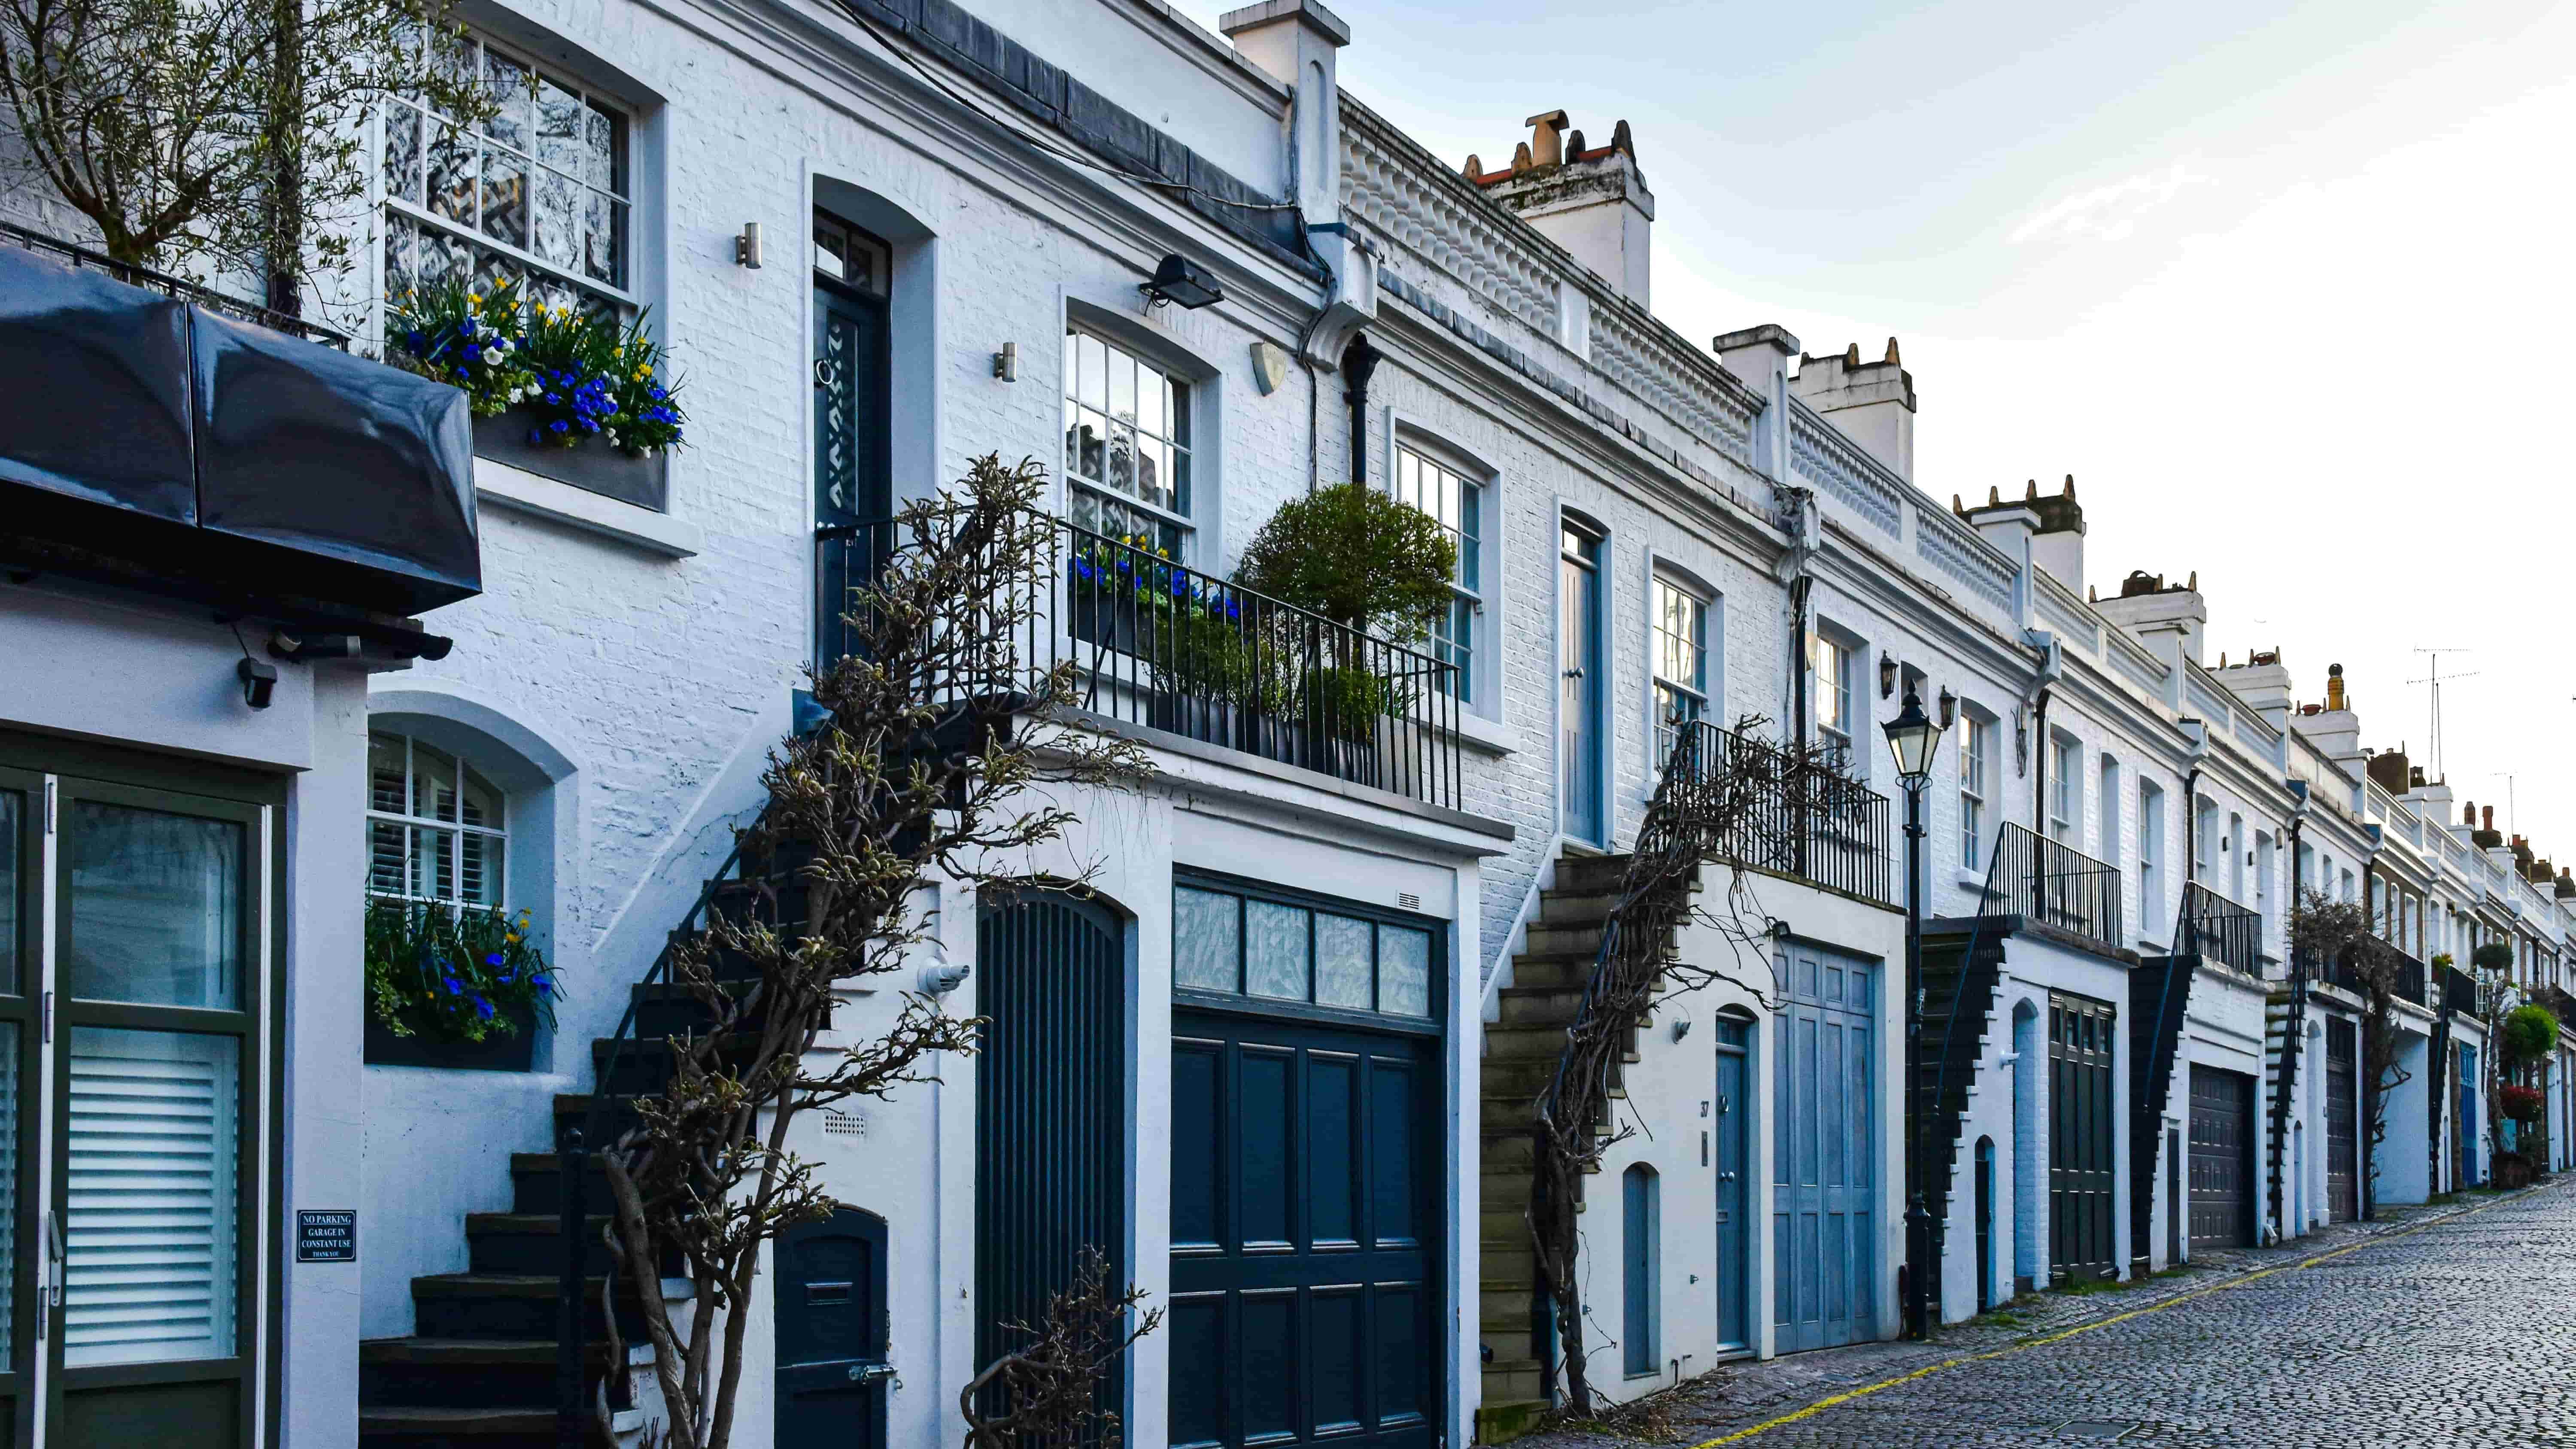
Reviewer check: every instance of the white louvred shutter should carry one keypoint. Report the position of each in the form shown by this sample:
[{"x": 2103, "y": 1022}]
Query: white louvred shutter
[{"x": 155, "y": 1159}]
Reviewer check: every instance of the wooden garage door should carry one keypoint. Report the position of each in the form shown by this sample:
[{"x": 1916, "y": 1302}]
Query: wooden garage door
[
  {"x": 1824, "y": 1232},
  {"x": 2222, "y": 1152}
]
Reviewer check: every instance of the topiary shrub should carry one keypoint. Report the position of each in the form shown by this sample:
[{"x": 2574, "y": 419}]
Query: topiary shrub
[
  {"x": 1357, "y": 557},
  {"x": 2529, "y": 1034},
  {"x": 2493, "y": 956}
]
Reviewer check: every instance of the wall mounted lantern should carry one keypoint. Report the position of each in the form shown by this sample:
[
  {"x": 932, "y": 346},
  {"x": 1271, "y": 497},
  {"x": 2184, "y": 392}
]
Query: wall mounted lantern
[{"x": 1183, "y": 282}]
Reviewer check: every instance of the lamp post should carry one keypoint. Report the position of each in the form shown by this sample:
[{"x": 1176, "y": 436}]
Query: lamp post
[{"x": 1912, "y": 737}]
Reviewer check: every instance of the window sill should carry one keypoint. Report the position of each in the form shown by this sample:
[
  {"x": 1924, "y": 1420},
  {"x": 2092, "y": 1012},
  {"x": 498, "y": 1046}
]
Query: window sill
[
  {"x": 1972, "y": 879},
  {"x": 520, "y": 491},
  {"x": 1486, "y": 736}
]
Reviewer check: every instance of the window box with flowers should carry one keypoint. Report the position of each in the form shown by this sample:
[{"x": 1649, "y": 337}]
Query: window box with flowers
[
  {"x": 453, "y": 985},
  {"x": 564, "y": 394}
]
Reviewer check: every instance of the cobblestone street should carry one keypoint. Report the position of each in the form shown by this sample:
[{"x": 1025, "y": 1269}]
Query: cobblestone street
[{"x": 2445, "y": 1325}]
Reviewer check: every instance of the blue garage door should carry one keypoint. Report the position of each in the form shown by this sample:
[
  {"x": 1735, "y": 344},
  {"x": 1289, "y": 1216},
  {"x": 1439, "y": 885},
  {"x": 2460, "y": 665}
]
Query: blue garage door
[
  {"x": 1307, "y": 1175},
  {"x": 1824, "y": 1226}
]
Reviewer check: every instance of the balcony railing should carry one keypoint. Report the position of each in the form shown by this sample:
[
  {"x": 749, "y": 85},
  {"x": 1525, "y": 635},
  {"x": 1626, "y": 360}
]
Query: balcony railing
[
  {"x": 2049, "y": 882},
  {"x": 1758, "y": 804},
  {"x": 2459, "y": 991},
  {"x": 2214, "y": 927},
  {"x": 1157, "y": 644},
  {"x": 167, "y": 285},
  {"x": 2412, "y": 980}
]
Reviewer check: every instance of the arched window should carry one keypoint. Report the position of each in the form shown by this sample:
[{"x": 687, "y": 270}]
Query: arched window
[
  {"x": 437, "y": 830},
  {"x": 1644, "y": 1258}
]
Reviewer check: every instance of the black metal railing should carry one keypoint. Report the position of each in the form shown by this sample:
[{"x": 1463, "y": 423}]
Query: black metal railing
[
  {"x": 168, "y": 285},
  {"x": 1155, "y": 643},
  {"x": 2459, "y": 992},
  {"x": 2411, "y": 981},
  {"x": 2044, "y": 880},
  {"x": 1802, "y": 818},
  {"x": 2212, "y": 926}
]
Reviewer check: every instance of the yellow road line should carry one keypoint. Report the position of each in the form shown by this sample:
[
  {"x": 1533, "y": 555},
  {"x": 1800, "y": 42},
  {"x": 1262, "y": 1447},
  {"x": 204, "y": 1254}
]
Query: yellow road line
[{"x": 2021, "y": 1345}]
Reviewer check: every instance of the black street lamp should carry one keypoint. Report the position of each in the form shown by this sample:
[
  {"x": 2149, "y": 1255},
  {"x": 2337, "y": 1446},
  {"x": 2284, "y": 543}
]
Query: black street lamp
[{"x": 1912, "y": 737}]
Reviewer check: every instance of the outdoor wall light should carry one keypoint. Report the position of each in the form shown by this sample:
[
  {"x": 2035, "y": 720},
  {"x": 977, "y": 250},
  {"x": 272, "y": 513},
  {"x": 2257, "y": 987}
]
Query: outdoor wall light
[
  {"x": 1886, "y": 675},
  {"x": 1949, "y": 708},
  {"x": 746, "y": 247},
  {"x": 1179, "y": 280},
  {"x": 1006, "y": 363},
  {"x": 258, "y": 682}
]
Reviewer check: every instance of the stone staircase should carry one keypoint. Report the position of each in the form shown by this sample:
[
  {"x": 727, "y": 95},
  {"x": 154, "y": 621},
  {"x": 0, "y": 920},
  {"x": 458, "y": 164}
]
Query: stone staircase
[
  {"x": 478, "y": 1370},
  {"x": 2285, "y": 1025},
  {"x": 2159, "y": 1002},
  {"x": 1521, "y": 1053},
  {"x": 1962, "y": 967}
]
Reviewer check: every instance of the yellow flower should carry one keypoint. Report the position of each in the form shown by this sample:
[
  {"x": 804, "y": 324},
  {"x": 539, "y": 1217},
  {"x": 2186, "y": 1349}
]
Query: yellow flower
[{"x": 474, "y": 298}]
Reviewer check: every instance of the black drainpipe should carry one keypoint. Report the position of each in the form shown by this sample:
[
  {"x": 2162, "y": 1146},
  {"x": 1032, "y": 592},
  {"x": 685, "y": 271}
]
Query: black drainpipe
[
  {"x": 1798, "y": 660},
  {"x": 1358, "y": 361},
  {"x": 2191, "y": 826},
  {"x": 2039, "y": 792}
]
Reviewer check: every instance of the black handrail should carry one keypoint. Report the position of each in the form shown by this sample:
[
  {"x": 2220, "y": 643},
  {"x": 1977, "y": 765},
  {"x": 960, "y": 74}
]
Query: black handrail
[
  {"x": 2053, "y": 883},
  {"x": 572, "y": 1148},
  {"x": 1156, "y": 643},
  {"x": 173, "y": 286},
  {"x": 2212, "y": 926}
]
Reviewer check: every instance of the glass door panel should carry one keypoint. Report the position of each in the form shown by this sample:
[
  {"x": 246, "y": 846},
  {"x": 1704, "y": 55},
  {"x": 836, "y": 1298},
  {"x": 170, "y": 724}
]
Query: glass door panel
[
  {"x": 155, "y": 907},
  {"x": 22, "y": 797}
]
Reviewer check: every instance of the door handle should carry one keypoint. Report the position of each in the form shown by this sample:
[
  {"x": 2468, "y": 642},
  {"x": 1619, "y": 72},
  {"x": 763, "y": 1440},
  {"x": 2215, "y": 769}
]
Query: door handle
[
  {"x": 868, "y": 1373},
  {"x": 1726, "y": 1177},
  {"x": 1575, "y": 673}
]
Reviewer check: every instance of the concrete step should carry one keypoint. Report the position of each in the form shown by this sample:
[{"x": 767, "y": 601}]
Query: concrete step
[
  {"x": 1500, "y": 1421},
  {"x": 1556, "y": 971},
  {"x": 1560, "y": 908},
  {"x": 1593, "y": 873},
  {"x": 1576, "y": 938},
  {"x": 1523, "y": 1042},
  {"x": 1540, "y": 1005}
]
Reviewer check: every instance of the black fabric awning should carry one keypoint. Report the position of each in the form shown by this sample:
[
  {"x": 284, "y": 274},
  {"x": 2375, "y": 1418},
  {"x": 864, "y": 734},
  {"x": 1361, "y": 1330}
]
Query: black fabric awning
[{"x": 152, "y": 431}]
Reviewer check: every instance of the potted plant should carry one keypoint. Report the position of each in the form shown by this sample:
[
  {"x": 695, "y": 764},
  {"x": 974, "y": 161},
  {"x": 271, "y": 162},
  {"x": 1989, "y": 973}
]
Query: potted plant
[
  {"x": 558, "y": 393},
  {"x": 453, "y": 985},
  {"x": 1376, "y": 569}
]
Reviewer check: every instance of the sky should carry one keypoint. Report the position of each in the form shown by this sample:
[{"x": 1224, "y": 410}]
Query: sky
[{"x": 2285, "y": 287}]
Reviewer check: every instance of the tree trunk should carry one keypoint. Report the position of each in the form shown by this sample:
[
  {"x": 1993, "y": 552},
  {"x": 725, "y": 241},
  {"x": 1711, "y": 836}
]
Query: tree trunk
[{"x": 286, "y": 221}]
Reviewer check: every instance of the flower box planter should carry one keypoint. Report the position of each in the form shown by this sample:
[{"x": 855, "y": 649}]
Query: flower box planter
[
  {"x": 591, "y": 465},
  {"x": 499, "y": 1052}
]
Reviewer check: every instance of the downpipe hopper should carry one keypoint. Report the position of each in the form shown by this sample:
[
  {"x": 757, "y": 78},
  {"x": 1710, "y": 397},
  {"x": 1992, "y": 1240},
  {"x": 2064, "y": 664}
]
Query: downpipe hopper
[{"x": 1350, "y": 304}]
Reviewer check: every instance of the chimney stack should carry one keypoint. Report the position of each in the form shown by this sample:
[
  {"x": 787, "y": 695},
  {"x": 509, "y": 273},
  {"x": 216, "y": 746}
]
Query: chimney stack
[
  {"x": 1872, "y": 402},
  {"x": 1590, "y": 200}
]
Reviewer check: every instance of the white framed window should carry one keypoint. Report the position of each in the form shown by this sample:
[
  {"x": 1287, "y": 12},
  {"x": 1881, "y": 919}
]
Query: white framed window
[
  {"x": 1457, "y": 503},
  {"x": 540, "y": 194},
  {"x": 2151, "y": 852},
  {"x": 1681, "y": 662},
  {"x": 437, "y": 830},
  {"x": 2263, "y": 857},
  {"x": 1126, "y": 445},
  {"x": 2234, "y": 844},
  {"x": 1830, "y": 662},
  {"x": 2065, "y": 791},
  {"x": 2109, "y": 795},
  {"x": 2204, "y": 840},
  {"x": 1976, "y": 751}
]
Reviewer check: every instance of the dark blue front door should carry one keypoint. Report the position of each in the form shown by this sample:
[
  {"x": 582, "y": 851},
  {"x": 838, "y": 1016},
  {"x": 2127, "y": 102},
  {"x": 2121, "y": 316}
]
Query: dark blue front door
[
  {"x": 1732, "y": 1108},
  {"x": 1306, "y": 1224},
  {"x": 830, "y": 1298},
  {"x": 1824, "y": 1220}
]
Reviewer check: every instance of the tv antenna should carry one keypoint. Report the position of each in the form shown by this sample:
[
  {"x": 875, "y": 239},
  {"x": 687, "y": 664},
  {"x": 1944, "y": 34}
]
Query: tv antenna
[{"x": 2435, "y": 678}]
